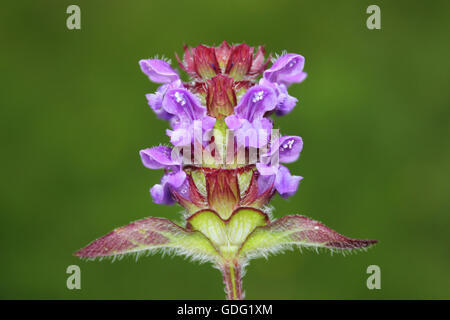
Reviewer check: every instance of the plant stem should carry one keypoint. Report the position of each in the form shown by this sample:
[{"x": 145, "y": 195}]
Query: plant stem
[{"x": 232, "y": 279}]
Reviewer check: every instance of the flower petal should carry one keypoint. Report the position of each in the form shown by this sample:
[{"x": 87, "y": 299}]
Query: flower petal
[
  {"x": 283, "y": 150},
  {"x": 186, "y": 133},
  {"x": 285, "y": 183},
  {"x": 184, "y": 106},
  {"x": 290, "y": 148},
  {"x": 266, "y": 169},
  {"x": 256, "y": 102},
  {"x": 265, "y": 182},
  {"x": 155, "y": 102},
  {"x": 157, "y": 157},
  {"x": 176, "y": 179},
  {"x": 254, "y": 134},
  {"x": 162, "y": 193},
  {"x": 285, "y": 102},
  {"x": 208, "y": 123},
  {"x": 180, "y": 137},
  {"x": 158, "y": 71},
  {"x": 155, "y": 99},
  {"x": 287, "y": 69},
  {"x": 233, "y": 122}
]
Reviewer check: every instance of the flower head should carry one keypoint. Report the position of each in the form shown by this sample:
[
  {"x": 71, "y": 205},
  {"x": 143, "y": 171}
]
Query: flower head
[{"x": 225, "y": 163}]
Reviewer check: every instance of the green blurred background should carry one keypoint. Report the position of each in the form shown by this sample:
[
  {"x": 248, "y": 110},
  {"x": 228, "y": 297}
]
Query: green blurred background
[{"x": 374, "y": 115}]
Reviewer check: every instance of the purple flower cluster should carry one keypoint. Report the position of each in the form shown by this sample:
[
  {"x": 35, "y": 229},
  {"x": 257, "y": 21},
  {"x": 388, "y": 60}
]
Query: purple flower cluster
[{"x": 189, "y": 109}]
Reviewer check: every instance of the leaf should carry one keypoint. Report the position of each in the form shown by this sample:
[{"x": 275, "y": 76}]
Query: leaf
[
  {"x": 151, "y": 234},
  {"x": 299, "y": 231}
]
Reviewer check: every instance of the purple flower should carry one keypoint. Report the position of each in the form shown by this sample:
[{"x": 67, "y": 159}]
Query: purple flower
[
  {"x": 162, "y": 157},
  {"x": 155, "y": 99},
  {"x": 158, "y": 71},
  {"x": 285, "y": 102},
  {"x": 285, "y": 150},
  {"x": 285, "y": 183},
  {"x": 162, "y": 193},
  {"x": 289, "y": 148},
  {"x": 249, "y": 115},
  {"x": 254, "y": 134},
  {"x": 286, "y": 70},
  {"x": 256, "y": 102},
  {"x": 265, "y": 183},
  {"x": 159, "y": 158},
  {"x": 185, "y": 109}
]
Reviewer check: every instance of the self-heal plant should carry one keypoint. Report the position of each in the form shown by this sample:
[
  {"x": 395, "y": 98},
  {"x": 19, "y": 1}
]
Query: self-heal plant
[{"x": 224, "y": 166}]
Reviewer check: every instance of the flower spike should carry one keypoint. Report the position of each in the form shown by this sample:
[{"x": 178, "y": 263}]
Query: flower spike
[{"x": 225, "y": 164}]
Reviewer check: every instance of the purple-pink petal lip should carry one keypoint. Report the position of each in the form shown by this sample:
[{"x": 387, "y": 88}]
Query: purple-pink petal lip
[
  {"x": 157, "y": 157},
  {"x": 290, "y": 148},
  {"x": 256, "y": 102},
  {"x": 183, "y": 105},
  {"x": 158, "y": 71},
  {"x": 155, "y": 100},
  {"x": 161, "y": 193},
  {"x": 287, "y": 69},
  {"x": 285, "y": 183}
]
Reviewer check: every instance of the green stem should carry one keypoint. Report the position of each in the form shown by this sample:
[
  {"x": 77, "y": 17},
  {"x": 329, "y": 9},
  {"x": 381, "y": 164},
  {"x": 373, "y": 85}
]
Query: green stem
[{"x": 232, "y": 279}]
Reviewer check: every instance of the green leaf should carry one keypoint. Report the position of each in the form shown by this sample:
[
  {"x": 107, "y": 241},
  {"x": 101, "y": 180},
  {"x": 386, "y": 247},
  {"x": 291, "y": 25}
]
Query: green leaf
[
  {"x": 151, "y": 234},
  {"x": 296, "y": 231}
]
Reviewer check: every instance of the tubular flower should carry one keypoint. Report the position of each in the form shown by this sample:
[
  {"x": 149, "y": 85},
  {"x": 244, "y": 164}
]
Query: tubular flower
[{"x": 224, "y": 166}]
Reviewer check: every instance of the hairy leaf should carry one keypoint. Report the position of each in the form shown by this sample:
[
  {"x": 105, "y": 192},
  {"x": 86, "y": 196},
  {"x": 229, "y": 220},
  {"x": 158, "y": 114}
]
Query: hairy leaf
[
  {"x": 151, "y": 234},
  {"x": 300, "y": 231}
]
